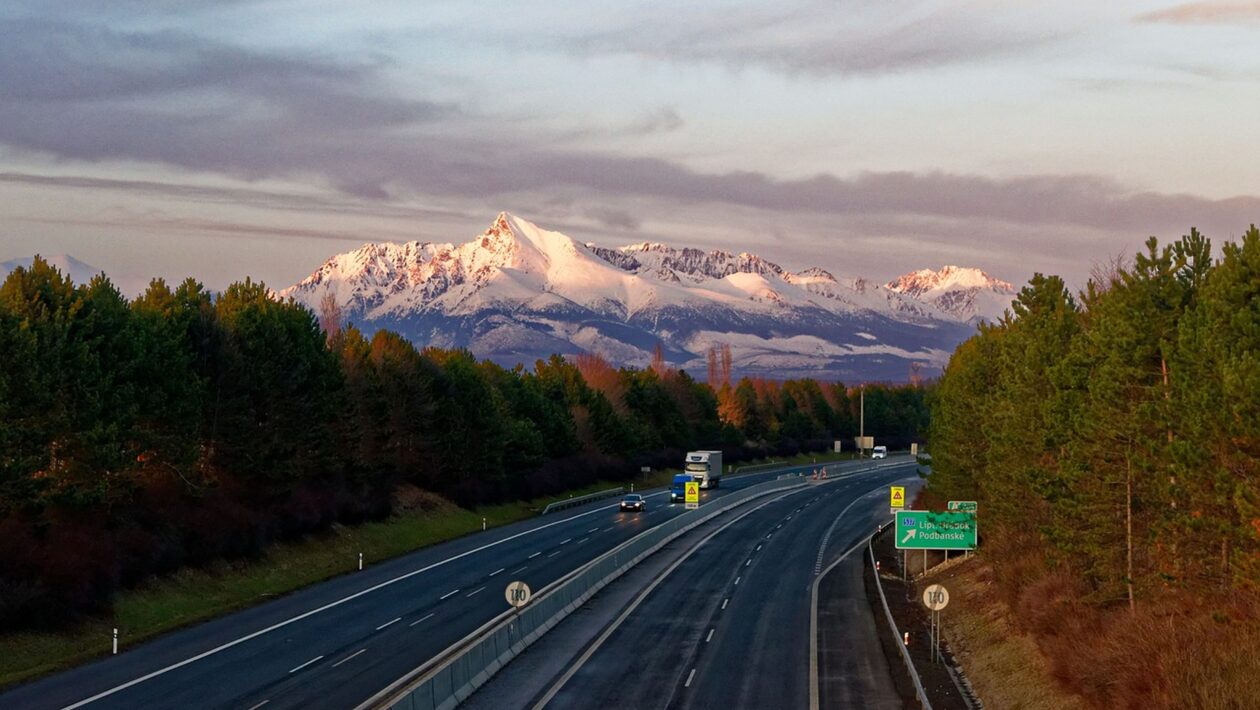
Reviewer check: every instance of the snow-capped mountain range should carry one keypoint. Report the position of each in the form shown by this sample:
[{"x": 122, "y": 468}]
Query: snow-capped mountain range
[{"x": 518, "y": 292}]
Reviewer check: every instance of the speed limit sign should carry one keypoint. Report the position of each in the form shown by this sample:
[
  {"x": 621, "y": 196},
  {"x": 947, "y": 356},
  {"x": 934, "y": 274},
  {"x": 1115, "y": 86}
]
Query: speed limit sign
[{"x": 517, "y": 594}]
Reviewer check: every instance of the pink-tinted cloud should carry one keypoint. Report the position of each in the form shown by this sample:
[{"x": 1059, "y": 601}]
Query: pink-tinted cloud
[{"x": 1207, "y": 13}]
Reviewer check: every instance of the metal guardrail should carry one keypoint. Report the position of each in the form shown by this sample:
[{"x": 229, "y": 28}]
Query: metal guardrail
[
  {"x": 570, "y": 502},
  {"x": 892, "y": 624},
  {"x": 451, "y": 676}
]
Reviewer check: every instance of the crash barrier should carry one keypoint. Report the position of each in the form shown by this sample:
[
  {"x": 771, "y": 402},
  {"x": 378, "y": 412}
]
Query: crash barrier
[
  {"x": 570, "y": 502},
  {"x": 451, "y": 676},
  {"x": 892, "y": 624}
]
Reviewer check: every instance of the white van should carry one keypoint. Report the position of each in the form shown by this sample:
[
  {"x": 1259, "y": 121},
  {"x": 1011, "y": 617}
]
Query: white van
[{"x": 879, "y": 452}]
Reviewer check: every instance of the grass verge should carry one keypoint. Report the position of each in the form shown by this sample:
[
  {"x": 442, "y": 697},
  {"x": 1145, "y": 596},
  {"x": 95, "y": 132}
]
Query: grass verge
[
  {"x": 194, "y": 595},
  {"x": 1006, "y": 668}
]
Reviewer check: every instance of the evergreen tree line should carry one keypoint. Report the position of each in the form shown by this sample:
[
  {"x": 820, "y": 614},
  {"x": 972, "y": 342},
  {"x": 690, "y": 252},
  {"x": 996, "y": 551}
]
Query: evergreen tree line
[
  {"x": 181, "y": 427},
  {"x": 1119, "y": 429}
]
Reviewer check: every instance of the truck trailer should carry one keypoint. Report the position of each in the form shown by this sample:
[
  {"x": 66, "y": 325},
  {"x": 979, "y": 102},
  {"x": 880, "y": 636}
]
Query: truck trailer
[{"x": 705, "y": 467}]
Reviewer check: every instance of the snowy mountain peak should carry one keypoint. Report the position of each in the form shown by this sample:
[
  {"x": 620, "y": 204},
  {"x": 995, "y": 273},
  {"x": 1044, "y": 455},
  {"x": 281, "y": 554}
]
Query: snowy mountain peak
[
  {"x": 966, "y": 293},
  {"x": 948, "y": 278},
  {"x": 517, "y": 291}
]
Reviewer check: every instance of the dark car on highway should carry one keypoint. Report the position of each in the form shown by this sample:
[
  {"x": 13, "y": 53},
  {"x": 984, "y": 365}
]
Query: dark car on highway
[{"x": 635, "y": 502}]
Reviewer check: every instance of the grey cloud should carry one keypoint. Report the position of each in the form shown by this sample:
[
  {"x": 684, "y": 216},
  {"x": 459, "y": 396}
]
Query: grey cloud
[
  {"x": 613, "y": 218},
  {"x": 1206, "y": 13},
  {"x": 821, "y": 38},
  {"x": 664, "y": 120}
]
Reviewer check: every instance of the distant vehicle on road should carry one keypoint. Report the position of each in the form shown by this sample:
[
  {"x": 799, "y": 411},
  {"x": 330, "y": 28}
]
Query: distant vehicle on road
[
  {"x": 705, "y": 467},
  {"x": 879, "y": 452},
  {"x": 678, "y": 488},
  {"x": 634, "y": 502}
]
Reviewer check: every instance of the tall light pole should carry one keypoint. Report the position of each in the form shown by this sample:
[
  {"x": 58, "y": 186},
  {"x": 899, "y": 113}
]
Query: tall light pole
[{"x": 862, "y": 420}]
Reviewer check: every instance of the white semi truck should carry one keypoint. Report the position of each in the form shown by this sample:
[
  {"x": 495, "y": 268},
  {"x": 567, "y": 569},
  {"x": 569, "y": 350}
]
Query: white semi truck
[{"x": 705, "y": 467}]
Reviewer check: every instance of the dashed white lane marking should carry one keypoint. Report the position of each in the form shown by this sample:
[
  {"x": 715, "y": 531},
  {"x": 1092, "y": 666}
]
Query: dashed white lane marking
[
  {"x": 758, "y": 548},
  {"x": 690, "y": 675},
  {"x": 553, "y": 554},
  {"x": 521, "y": 569},
  {"x": 566, "y": 541},
  {"x": 348, "y": 657},
  {"x": 426, "y": 616},
  {"x": 583, "y": 540},
  {"x": 295, "y": 670},
  {"x": 748, "y": 563},
  {"x": 533, "y": 555},
  {"x": 737, "y": 581},
  {"x": 387, "y": 623},
  {"x": 592, "y": 530},
  {"x": 496, "y": 571},
  {"x": 451, "y": 593},
  {"x": 709, "y": 637},
  {"x": 482, "y": 589},
  {"x": 724, "y": 601},
  {"x": 260, "y": 705}
]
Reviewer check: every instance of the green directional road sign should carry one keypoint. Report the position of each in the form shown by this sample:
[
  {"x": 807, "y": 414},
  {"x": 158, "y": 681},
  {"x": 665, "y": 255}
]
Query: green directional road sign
[
  {"x": 962, "y": 506},
  {"x": 935, "y": 530}
]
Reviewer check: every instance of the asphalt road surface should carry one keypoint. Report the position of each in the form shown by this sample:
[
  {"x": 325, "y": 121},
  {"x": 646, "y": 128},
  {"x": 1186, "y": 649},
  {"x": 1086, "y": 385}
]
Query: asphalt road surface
[
  {"x": 335, "y": 644},
  {"x": 730, "y": 627}
]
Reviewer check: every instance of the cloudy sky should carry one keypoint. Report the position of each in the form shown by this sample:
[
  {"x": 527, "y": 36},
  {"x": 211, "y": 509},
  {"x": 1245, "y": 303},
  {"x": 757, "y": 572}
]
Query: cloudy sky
[{"x": 870, "y": 137}]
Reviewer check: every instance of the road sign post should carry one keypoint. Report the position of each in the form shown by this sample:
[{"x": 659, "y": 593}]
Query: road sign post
[
  {"x": 691, "y": 494},
  {"x": 935, "y": 598},
  {"x": 935, "y": 530}
]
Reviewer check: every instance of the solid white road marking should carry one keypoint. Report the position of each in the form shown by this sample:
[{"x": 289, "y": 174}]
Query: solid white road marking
[
  {"x": 295, "y": 670},
  {"x": 496, "y": 571},
  {"x": 337, "y": 603},
  {"x": 451, "y": 593},
  {"x": 426, "y": 616},
  {"x": 348, "y": 657},
  {"x": 387, "y": 623},
  {"x": 709, "y": 637},
  {"x": 474, "y": 592},
  {"x": 690, "y": 675}
]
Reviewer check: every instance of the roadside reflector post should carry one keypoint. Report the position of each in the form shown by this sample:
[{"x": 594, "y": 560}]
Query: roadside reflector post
[
  {"x": 115, "y": 642},
  {"x": 907, "y": 638},
  {"x": 483, "y": 523},
  {"x": 876, "y": 565},
  {"x": 360, "y": 561}
]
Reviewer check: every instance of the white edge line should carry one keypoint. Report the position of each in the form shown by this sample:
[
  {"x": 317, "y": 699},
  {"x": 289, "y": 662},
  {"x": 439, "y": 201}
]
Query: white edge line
[
  {"x": 330, "y": 605},
  {"x": 348, "y": 657},
  {"x": 387, "y": 623},
  {"x": 343, "y": 600},
  {"x": 295, "y": 670}
]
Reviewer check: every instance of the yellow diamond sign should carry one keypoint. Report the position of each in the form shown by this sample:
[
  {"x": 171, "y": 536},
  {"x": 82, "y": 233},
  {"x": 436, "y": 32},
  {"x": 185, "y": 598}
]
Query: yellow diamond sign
[{"x": 898, "y": 497}]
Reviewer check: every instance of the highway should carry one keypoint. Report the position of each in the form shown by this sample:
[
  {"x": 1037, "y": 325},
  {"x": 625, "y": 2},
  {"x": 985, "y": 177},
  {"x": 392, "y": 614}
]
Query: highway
[
  {"x": 730, "y": 626},
  {"x": 336, "y": 643}
]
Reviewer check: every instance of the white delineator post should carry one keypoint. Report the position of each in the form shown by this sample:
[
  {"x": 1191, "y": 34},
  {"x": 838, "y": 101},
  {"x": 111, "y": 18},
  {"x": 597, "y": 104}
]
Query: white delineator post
[
  {"x": 360, "y": 561},
  {"x": 115, "y": 642}
]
